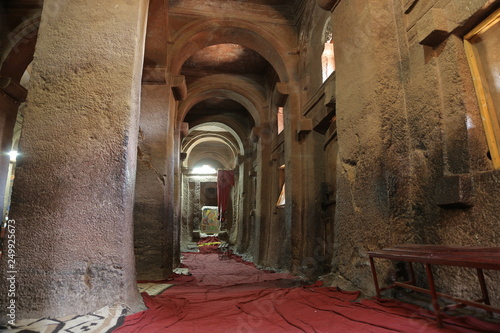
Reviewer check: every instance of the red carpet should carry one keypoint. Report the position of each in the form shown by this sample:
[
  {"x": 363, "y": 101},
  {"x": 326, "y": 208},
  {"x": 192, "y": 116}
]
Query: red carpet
[{"x": 232, "y": 296}]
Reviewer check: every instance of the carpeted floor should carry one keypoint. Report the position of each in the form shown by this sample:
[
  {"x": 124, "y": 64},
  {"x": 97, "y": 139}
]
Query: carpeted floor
[{"x": 234, "y": 296}]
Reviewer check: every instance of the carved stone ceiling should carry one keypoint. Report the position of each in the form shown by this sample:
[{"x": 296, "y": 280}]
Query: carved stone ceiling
[{"x": 233, "y": 59}]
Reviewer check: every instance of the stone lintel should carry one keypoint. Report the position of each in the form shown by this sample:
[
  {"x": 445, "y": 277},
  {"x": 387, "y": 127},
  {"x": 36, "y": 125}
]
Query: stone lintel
[
  {"x": 240, "y": 159},
  {"x": 455, "y": 191},
  {"x": 255, "y": 134},
  {"x": 184, "y": 129},
  {"x": 432, "y": 28},
  {"x": 408, "y": 5},
  {"x": 330, "y": 94},
  {"x": 13, "y": 89},
  {"x": 305, "y": 126},
  {"x": 327, "y": 4},
  {"x": 154, "y": 75},
  {"x": 280, "y": 93},
  {"x": 178, "y": 85}
]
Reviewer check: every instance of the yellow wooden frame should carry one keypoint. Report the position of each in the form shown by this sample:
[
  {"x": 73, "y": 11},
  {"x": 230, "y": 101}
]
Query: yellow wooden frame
[{"x": 488, "y": 112}]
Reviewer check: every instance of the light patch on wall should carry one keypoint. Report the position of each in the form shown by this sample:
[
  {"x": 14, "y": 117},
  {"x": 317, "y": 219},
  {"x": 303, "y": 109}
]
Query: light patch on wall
[
  {"x": 204, "y": 170},
  {"x": 470, "y": 123}
]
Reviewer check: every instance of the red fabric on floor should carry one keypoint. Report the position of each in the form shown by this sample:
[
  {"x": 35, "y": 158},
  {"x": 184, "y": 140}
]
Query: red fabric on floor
[
  {"x": 251, "y": 300},
  {"x": 208, "y": 244}
]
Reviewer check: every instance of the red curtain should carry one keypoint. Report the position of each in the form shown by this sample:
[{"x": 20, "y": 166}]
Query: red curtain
[{"x": 225, "y": 181}]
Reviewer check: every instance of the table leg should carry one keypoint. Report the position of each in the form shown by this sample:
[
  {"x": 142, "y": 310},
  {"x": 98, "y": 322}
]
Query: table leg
[
  {"x": 484, "y": 289},
  {"x": 412, "y": 274},
  {"x": 375, "y": 281},
  {"x": 432, "y": 289}
]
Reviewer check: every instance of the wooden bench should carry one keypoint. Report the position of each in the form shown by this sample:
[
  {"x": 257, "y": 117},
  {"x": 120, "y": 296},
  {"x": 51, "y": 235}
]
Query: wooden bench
[{"x": 478, "y": 258}]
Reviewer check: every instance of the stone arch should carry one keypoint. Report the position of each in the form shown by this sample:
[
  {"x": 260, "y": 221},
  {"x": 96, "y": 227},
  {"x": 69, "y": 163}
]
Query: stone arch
[
  {"x": 233, "y": 142},
  {"x": 236, "y": 128},
  {"x": 193, "y": 37},
  {"x": 20, "y": 49},
  {"x": 240, "y": 89},
  {"x": 228, "y": 162},
  {"x": 226, "y": 127}
]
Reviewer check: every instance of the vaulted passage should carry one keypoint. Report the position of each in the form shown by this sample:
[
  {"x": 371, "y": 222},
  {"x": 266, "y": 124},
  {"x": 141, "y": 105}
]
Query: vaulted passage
[{"x": 300, "y": 134}]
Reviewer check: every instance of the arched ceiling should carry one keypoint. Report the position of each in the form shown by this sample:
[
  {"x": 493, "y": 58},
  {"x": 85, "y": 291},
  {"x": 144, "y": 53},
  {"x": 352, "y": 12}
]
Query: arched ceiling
[
  {"x": 19, "y": 21},
  {"x": 218, "y": 107},
  {"x": 214, "y": 141},
  {"x": 230, "y": 62},
  {"x": 226, "y": 59}
]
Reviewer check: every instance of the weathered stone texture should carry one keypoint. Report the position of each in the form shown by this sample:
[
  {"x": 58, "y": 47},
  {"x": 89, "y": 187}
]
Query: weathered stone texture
[
  {"x": 407, "y": 117},
  {"x": 150, "y": 221},
  {"x": 73, "y": 196},
  {"x": 369, "y": 90}
]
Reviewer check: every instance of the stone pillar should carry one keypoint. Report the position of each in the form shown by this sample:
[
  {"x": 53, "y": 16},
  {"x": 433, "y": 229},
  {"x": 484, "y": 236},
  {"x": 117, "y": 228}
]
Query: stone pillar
[
  {"x": 264, "y": 187},
  {"x": 150, "y": 216},
  {"x": 73, "y": 196},
  {"x": 293, "y": 176},
  {"x": 373, "y": 165},
  {"x": 170, "y": 203}
]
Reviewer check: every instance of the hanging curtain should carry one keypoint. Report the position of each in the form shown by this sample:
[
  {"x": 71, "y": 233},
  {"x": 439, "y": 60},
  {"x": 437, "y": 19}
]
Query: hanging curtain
[{"x": 225, "y": 181}]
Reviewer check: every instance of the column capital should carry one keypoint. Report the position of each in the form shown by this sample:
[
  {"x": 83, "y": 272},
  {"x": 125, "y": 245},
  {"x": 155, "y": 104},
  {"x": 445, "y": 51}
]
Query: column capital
[
  {"x": 328, "y": 4},
  {"x": 178, "y": 85},
  {"x": 13, "y": 89}
]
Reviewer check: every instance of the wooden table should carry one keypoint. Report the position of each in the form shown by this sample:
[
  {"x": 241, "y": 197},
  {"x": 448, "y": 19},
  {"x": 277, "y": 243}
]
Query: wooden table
[{"x": 478, "y": 258}]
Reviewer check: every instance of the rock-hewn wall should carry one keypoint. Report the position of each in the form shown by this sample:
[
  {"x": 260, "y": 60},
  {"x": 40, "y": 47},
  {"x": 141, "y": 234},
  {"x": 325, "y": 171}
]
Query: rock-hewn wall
[{"x": 404, "y": 102}]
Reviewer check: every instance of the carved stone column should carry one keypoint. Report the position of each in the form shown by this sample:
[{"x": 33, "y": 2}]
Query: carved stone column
[{"x": 73, "y": 195}]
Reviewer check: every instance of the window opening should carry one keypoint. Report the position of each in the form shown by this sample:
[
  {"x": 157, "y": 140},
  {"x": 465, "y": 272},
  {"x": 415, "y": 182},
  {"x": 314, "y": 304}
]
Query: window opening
[
  {"x": 280, "y": 120},
  {"x": 328, "y": 57},
  {"x": 281, "y": 199},
  {"x": 481, "y": 45}
]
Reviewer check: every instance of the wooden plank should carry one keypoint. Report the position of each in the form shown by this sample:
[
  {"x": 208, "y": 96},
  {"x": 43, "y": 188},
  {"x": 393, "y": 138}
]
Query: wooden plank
[
  {"x": 460, "y": 259},
  {"x": 444, "y": 248}
]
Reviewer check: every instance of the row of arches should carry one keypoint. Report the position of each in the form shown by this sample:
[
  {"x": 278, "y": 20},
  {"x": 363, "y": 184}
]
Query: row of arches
[
  {"x": 238, "y": 136},
  {"x": 254, "y": 95}
]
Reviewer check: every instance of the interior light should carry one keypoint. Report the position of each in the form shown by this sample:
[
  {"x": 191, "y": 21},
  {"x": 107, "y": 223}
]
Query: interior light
[
  {"x": 13, "y": 155},
  {"x": 205, "y": 170}
]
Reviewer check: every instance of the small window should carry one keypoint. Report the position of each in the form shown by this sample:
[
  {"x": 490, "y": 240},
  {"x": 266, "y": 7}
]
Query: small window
[
  {"x": 281, "y": 199},
  {"x": 481, "y": 46},
  {"x": 328, "y": 58},
  {"x": 281, "y": 178},
  {"x": 279, "y": 120}
]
